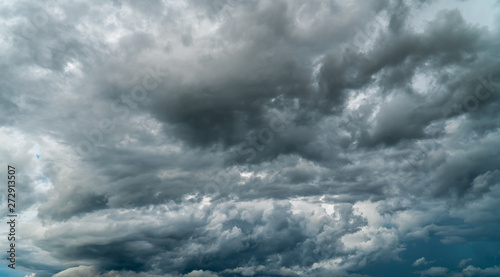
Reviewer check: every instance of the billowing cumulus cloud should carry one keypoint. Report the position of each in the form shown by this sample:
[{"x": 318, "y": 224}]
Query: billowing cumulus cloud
[{"x": 252, "y": 138}]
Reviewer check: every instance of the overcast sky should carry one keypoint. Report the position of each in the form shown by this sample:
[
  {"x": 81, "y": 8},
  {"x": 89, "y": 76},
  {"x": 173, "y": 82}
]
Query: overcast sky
[{"x": 251, "y": 138}]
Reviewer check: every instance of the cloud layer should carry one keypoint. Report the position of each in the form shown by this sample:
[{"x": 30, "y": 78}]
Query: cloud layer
[{"x": 253, "y": 138}]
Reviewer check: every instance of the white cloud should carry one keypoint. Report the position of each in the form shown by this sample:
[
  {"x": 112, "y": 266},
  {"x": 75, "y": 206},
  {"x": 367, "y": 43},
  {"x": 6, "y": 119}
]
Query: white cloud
[
  {"x": 464, "y": 262},
  {"x": 434, "y": 271},
  {"x": 421, "y": 261}
]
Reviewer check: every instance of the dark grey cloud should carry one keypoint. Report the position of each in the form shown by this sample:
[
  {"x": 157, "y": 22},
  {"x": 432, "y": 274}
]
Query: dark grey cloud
[{"x": 253, "y": 138}]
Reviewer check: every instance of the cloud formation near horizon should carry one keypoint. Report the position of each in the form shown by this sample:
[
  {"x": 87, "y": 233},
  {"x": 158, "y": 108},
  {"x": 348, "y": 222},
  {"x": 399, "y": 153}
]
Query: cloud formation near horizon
[{"x": 253, "y": 138}]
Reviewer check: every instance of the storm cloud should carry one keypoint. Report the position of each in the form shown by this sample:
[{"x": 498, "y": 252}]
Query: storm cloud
[{"x": 252, "y": 138}]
